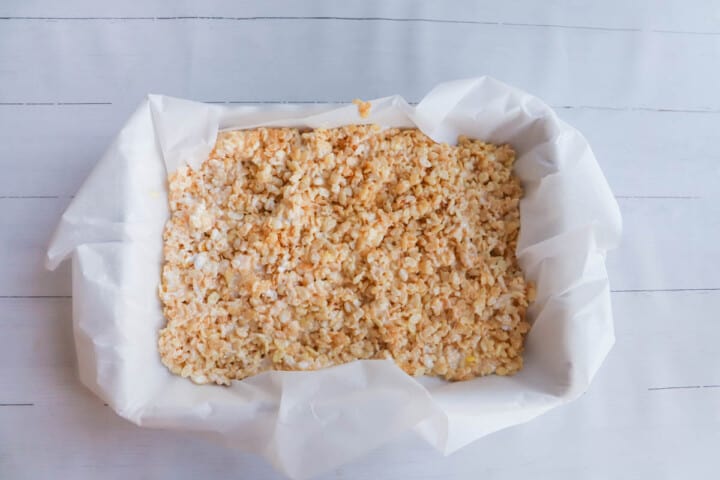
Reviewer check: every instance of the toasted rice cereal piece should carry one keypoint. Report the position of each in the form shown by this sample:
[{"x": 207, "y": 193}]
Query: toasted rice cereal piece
[
  {"x": 363, "y": 107},
  {"x": 293, "y": 250}
]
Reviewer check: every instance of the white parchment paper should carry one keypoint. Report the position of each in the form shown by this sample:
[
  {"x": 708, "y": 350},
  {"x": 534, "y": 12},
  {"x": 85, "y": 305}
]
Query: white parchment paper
[{"x": 308, "y": 422}]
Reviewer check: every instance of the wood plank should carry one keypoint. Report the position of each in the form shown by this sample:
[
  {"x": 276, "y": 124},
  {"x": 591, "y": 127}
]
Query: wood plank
[
  {"x": 53, "y": 61},
  {"x": 641, "y": 152},
  {"x": 45, "y": 154},
  {"x": 646, "y": 154},
  {"x": 667, "y": 244},
  {"x": 26, "y": 226}
]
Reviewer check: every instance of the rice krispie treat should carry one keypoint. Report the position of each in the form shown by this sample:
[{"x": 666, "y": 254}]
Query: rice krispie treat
[{"x": 296, "y": 250}]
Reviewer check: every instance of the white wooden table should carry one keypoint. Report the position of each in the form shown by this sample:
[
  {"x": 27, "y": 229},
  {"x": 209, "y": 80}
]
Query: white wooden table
[{"x": 640, "y": 79}]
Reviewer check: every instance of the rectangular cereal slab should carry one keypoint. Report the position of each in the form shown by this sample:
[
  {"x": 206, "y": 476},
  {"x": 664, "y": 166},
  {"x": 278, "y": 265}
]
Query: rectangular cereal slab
[{"x": 293, "y": 250}]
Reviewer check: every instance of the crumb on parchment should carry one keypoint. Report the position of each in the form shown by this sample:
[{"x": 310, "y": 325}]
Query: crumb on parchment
[
  {"x": 293, "y": 250},
  {"x": 363, "y": 107}
]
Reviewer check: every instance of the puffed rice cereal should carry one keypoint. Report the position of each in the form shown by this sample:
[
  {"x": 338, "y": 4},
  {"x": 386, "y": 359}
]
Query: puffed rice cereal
[{"x": 298, "y": 250}]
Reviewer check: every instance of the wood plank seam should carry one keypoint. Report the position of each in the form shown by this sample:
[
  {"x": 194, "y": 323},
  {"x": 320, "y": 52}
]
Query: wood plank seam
[
  {"x": 369, "y": 19},
  {"x": 682, "y": 387}
]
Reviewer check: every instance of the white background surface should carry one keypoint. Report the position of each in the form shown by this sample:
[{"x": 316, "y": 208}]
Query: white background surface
[{"x": 640, "y": 79}]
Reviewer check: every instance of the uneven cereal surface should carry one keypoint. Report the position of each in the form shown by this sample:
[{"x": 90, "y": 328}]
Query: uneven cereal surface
[{"x": 293, "y": 250}]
